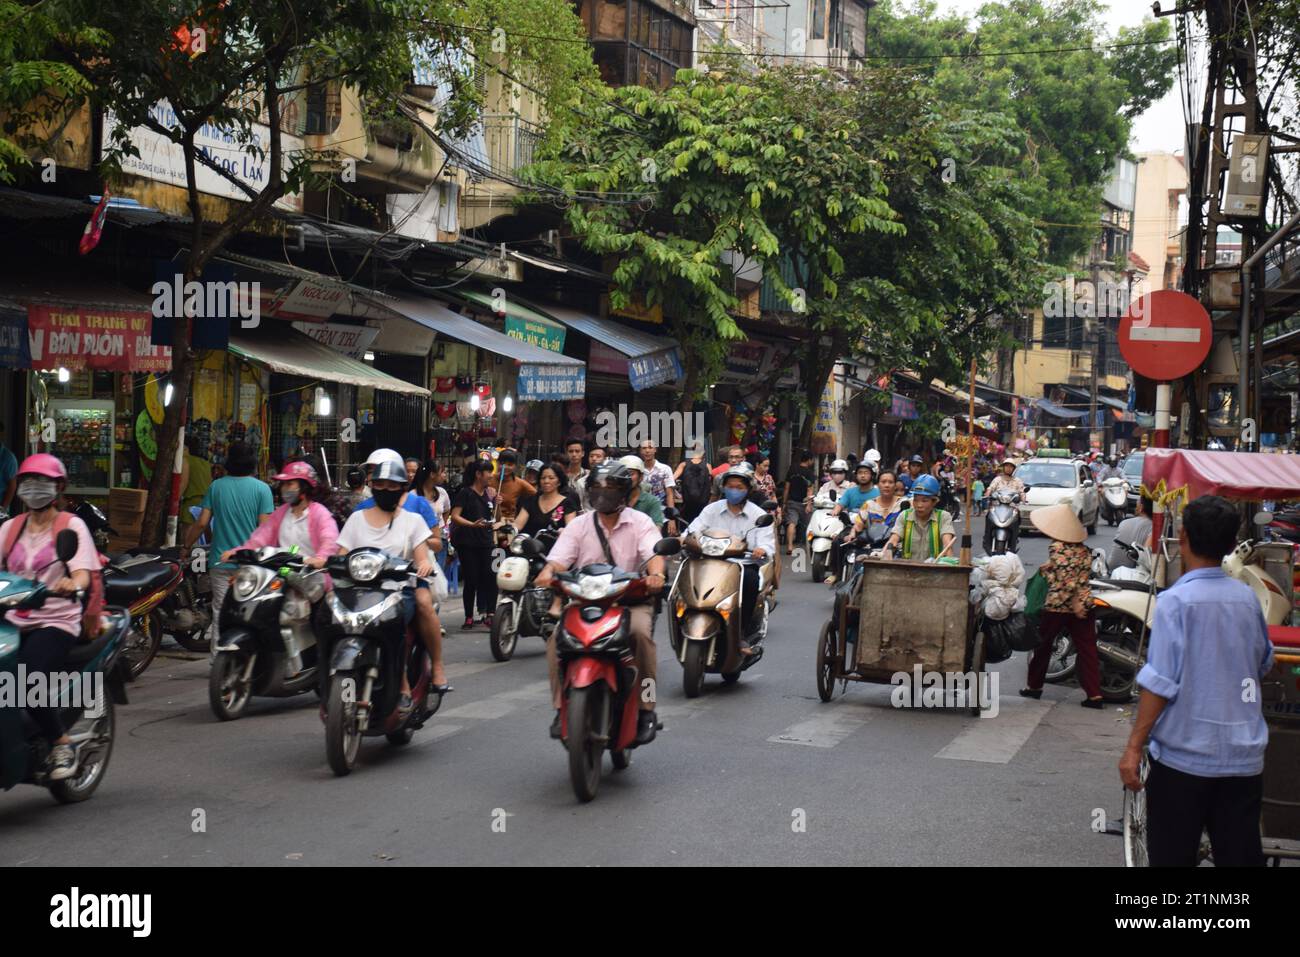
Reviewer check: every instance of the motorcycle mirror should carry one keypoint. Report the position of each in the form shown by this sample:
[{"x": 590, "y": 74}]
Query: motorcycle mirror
[
  {"x": 763, "y": 521},
  {"x": 66, "y": 544},
  {"x": 668, "y": 546},
  {"x": 1263, "y": 518}
]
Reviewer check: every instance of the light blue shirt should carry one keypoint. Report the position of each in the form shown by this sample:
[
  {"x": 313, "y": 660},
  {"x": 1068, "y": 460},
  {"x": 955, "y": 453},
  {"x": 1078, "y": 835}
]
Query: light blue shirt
[
  {"x": 1209, "y": 653},
  {"x": 855, "y": 498}
]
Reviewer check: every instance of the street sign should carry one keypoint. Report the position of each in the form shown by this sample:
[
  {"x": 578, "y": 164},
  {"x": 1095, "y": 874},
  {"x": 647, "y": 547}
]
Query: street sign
[{"x": 1165, "y": 335}]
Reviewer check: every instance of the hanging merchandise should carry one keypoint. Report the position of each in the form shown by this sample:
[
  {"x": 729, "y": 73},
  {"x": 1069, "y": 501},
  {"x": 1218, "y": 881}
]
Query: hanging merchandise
[
  {"x": 488, "y": 408},
  {"x": 488, "y": 429},
  {"x": 146, "y": 442},
  {"x": 446, "y": 384},
  {"x": 444, "y": 410},
  {"x": 463, "y": 383},
  {"x": 483, "y": 389},
  {"x": 201, "y": 433}
]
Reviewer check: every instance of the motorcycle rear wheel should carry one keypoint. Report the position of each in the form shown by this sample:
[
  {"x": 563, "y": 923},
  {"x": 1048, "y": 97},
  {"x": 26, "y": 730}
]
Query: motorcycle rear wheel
[
  {"x": 819, "y": 568},
  {"x": 86, "y": 781},
  {"x": 342, "y": 736},
  {"x": 142, "y": 641},
  {"x": 826, "y": 662},
  {"x": 586, "y": 725},
  {"x": 1064, "y": 660}
]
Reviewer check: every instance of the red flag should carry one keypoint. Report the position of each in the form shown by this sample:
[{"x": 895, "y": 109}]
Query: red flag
[{"x": 94, "y": 228}]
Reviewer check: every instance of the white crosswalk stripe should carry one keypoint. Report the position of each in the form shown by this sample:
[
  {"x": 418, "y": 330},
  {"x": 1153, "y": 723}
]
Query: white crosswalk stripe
[
  {"x": 996, "y": 740},
  {"x": 828, "y": 726}
]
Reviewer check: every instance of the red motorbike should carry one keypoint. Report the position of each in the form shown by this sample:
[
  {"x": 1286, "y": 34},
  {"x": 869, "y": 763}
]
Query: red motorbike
[{"x": 598, "y": 673}]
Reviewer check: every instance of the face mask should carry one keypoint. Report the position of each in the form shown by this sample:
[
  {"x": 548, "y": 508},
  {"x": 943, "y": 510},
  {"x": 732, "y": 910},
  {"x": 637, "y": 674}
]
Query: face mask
[
  {"x": 734, "y": 496},
  {"x": 38, "y": 493},
  {"x": 289, "y": 496},
  {"x": 607, "y": 501},
  {"x": 387, "y": 499}
]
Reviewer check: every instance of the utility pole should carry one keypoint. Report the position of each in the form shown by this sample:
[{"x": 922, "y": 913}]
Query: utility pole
[{"x": 1096, "y": 351}]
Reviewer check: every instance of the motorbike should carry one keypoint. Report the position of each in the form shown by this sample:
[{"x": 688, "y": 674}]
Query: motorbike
[
  {"x": 1002, "y": 526},
  {"x": 521, "y": 606},
  {"x": 705, "y": 625},
  {"x": 266, "y": 646},
  {"x": 1114, "y": 500},
  {"x": 364, "y": 640},
  {"x": 598, "y": 673},
  {"x": 158, "y": 587},
  {"x": 23, "y": 749},
  {"x": 823, "y": 529},
  {"x": 1126, "y": 610},
  {"x": 949, "y": 501}
]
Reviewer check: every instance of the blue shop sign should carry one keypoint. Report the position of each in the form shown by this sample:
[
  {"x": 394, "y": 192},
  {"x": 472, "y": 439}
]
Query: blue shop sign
[
  {"x": 15, "y": 350},
  {"x": 654, "y": 369},
  {"x": 538, "y": 383}
]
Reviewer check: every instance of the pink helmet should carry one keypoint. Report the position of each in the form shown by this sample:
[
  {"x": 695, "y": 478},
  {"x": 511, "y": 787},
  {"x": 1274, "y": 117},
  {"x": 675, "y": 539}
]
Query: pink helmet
[
  {"x": 298, "y": 472},
  {"x": 42, "y": 463}
]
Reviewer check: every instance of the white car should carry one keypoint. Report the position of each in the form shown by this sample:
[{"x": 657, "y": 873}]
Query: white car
[{"x": 1052, "y": 481}]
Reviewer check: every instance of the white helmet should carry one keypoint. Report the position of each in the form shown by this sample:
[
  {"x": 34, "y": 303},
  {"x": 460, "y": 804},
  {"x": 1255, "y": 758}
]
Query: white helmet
[
  {"x": 385, "y": 455},
  {"x": 873, "y": 457},
  {"x": 839, "y": 465},
  {"x": 634, "y": 463}
]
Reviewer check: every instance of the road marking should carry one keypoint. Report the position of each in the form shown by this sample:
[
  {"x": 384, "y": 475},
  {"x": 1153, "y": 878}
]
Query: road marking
[
  {"x": 996, "y": 740},
  {"x": 826, "y": 727}
]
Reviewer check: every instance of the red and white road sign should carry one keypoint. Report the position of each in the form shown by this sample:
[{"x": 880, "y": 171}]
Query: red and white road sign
[{"x": 1165, "y": 335}]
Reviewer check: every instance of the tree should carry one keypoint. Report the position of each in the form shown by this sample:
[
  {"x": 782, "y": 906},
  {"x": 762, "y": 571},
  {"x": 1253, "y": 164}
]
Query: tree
[{"x": 231, "y": 66}]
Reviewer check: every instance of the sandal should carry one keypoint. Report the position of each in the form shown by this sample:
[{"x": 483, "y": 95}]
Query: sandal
[
  {"x": 1031, "y": 693},
  {"x": 1095, "y": 703}
]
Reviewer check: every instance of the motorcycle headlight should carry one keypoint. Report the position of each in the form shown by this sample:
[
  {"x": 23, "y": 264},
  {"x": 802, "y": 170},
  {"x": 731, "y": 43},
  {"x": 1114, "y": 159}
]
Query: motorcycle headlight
[
  {"x": 595, "y": 587},
  {"x": 713, "y": 547},
  {"x": 365, "y": 566},
  {"x": 248, "y": 581}
]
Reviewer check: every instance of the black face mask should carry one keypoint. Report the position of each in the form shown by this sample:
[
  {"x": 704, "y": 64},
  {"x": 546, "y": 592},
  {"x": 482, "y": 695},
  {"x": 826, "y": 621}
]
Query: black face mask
[{"x": 387, "y": 499}]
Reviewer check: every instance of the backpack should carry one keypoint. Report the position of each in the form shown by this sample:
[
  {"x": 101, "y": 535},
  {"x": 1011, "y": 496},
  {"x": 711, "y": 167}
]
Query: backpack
[
  {"x": 94, "y": 606},
  {"x": 696, "y": 484}
]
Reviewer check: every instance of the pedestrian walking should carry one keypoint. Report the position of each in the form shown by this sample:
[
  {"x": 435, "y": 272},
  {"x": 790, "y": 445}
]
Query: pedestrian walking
[
  {"x": 1205, "y": 733},
  {"x": 1068, "y": 606},
  {"x": 471, "y": 519}
]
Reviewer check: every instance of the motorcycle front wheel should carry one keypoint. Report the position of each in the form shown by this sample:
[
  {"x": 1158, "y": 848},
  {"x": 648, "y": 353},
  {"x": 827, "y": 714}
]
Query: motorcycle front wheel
[
  {"x": 693, "y": 668},
  {"x": 819, "y": 567},
  {"x": 588, "y": 728},
  {"x": 228, "y": 692},
  {"x": 342, "y": 736},
  {"x": 504, "y": 635}
]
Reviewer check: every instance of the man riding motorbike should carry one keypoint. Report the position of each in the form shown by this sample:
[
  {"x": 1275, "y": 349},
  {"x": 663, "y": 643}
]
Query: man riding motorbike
[
  {"x": 641, "y": 498},
  {"x": 735, "y": 514},
  {"x": 851, "y": 501},
  {"x": 838, "y": 483},
  {"x": 626, "y": 539},
  {"x": 923, "y": 531},
  {"x": 401, "y": 534},
  {"x": 49, "y": 632}
]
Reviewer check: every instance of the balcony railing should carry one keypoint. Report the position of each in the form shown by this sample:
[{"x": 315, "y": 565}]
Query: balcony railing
[{"x": 511, "y": 141}]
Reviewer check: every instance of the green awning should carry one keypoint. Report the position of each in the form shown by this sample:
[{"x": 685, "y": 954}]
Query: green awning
[{"x": 288, "y": 350}]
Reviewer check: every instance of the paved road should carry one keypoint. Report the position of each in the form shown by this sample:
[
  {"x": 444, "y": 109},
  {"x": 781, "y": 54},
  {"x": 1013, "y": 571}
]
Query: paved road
[{"x": 727, "y": 782}]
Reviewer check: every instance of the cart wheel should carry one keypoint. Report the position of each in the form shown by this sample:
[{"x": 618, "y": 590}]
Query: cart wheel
[
  {"x": 1135, "y": 822},
  {"x": 826, "y": 662},
  {"x": 977, "y": 668}
]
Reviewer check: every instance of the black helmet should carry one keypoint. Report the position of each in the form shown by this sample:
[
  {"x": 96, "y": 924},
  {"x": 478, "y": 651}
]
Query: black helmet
[{"x": 610, "y": 475}]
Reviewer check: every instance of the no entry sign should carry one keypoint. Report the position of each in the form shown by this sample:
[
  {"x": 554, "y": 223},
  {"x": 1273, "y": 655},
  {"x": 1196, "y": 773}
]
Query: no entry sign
[{"x": 1165, "y": 335}]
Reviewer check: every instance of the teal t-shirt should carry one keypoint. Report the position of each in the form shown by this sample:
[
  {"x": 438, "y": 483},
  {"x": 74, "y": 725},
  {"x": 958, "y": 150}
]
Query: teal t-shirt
[
  {"x": 235, "y": 503},
  {"x": 854, "y": 499}
]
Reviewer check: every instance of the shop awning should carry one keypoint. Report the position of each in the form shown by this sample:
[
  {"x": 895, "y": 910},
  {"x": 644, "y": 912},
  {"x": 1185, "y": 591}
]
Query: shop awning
[
  {"x": 288, "y": 350},
  {"x": 463, "y": 329},
  {"x": 1101, "y": 399},
  {"x": 1060, "y": 411},
  {"x": 1254, "y": 476},
  {"x": 631, "y": 342}
]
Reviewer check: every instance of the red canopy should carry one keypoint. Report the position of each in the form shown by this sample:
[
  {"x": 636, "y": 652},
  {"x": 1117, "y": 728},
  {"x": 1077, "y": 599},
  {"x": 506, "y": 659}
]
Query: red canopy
[{"x": 1254, "y": 476}]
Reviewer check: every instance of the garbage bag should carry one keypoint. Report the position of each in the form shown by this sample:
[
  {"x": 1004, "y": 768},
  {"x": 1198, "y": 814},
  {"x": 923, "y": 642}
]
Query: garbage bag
[
  {"x": 996, "y": 646},
  {"x": 1021, "y": 632},
  {"x": 1002, "y": 578}
]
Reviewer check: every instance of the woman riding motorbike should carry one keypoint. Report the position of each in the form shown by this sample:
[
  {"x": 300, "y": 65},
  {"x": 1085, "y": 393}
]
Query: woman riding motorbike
[
  {"x": 49, "y": 632},
  {"x": 300, "y": 521}
]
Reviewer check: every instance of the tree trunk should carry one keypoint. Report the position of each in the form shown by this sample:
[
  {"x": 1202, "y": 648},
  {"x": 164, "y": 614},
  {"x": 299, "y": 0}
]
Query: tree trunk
[
  {"x": 818, "y": 368},
  {"x": 160, "y": 484}
]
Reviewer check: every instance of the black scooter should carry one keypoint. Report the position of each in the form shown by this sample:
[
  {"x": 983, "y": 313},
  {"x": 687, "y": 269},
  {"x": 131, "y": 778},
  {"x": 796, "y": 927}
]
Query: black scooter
[
  {"x": 1002, "y": 525},
  {"x": 267, "y": 647},
  {"x": 521, "y": 606}
]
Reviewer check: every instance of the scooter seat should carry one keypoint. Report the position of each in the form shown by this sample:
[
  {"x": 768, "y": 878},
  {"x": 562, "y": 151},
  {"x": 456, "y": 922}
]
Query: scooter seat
[
  {"x": 123, "y": 585},
  {"x": 1128, "y": 584},
  {"x": 84, "y": 652}
]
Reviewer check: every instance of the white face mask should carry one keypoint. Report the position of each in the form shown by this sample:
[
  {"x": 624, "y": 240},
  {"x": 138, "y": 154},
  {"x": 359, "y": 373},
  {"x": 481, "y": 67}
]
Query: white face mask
[{"x": 36, "y": 493}]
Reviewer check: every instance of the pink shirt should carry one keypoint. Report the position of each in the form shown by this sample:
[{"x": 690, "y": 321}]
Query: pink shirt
[
  {"x": 320, "y": 523},
  {"x": 33, "y": 552},
  {"x": 631, "y": 543}
]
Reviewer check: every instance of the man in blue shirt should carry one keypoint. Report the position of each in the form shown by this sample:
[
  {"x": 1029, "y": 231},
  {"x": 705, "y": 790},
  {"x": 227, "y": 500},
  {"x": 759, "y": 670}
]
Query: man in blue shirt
[
  {"x": 1200, "y": 704},
  {"x": 915, "y": 466},
  {"x": 849, "y": 502}
]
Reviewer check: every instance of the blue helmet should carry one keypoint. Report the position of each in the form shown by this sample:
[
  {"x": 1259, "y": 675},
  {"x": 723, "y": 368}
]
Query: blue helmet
[{"x": 926, "y": 485}]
